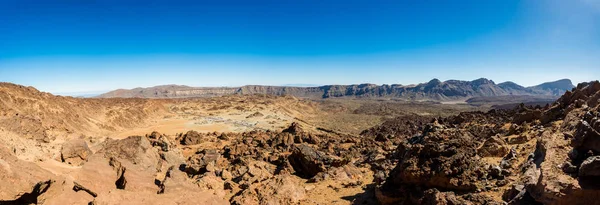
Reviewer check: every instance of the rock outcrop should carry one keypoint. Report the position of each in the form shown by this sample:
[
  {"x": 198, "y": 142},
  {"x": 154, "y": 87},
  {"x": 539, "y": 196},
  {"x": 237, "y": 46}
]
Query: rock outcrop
[
  {"x": 537, "y": 156},
  {"x": 191, "y": 138},
  {"x": 22, "y": 182},
  {"x": 308, "y": 162},
  {"x": 75, "y": 152},
  {"x": 134, "y": 169}
]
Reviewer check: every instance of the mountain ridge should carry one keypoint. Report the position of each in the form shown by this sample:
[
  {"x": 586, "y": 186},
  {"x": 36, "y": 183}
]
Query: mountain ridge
[{"x": 432, "y": 90}]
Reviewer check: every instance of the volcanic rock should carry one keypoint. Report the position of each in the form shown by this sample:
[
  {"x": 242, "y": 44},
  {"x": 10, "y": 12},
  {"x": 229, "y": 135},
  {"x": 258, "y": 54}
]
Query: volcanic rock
[
  {"x": 281, "y": 189},
  {"x": 22, "y": 182},
  {"x": 198, "y": 163},
  {"x": 75, "y": 152},
  {"x": 435, "y": 197},
  {"x": 191, "y": 138},
  {"x": 590, "y": 167},
  {"x": 493, "y": 147},
  {"x": 527, "y": 116},
  {"x": 441, "y": 158},
  {"x": 308, "y": 162}
]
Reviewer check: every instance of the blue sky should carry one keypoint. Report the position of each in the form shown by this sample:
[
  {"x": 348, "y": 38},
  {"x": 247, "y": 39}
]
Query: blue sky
[{"x": 74, "y": 46}]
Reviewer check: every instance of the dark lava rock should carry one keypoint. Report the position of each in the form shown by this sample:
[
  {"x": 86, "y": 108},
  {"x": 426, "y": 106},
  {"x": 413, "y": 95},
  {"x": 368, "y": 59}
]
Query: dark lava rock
[
  {"x": 441, "y": 158},
  {"x": 527, "y": 116},
  {"x": 191, "y": 138},
  {"x": 198, "y": 163},
  {"x": 586, "y": 137},
  {"x": 308, "y": 162},
  {"x": 495, "y": 172},
  {"x": 435, "y": 197},
  {"x": 294, "y": 129},
  {"x": 567, "y": 167},
  {"x": 590, "y": 167}
]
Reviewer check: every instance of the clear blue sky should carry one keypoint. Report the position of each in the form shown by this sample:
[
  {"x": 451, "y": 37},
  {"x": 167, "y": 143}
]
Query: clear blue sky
[{"x": 80, "y": 46}]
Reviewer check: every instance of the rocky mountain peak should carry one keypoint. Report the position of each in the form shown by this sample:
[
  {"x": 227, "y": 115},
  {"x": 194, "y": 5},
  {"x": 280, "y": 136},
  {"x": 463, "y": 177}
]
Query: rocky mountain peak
[
  {"x": 482, "y": 81},
  {"x": 434, "y": 81},
  {"x": 510, "y": 85}
]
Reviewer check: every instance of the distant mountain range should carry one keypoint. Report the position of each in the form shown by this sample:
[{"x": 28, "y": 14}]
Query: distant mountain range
[{"x": 432, "y": 90}]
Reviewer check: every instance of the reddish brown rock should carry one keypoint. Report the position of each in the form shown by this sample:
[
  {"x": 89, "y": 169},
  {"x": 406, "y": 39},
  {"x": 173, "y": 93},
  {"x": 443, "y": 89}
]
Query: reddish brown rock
[
  {"x": 281, "y": 189},
  {"x": 75, "y": 152},
  {"x": 493, "y": 147}
]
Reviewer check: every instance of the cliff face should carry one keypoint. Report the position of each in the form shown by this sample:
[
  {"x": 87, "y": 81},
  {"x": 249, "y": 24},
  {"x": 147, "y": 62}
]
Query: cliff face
[
  {"x": 432, "y": 90},
  {"x": 310, "y": 92},
  {"x": 555, "y": 88},
  {"x": 170, "y": 91}
]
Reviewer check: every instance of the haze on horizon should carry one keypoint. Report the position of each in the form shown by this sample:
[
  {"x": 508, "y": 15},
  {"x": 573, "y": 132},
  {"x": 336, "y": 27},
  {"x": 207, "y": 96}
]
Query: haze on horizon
[{"x": 86, "y": 46}]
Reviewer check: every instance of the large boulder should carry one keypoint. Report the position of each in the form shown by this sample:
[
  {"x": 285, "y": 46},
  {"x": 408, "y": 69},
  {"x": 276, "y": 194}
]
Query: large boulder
[
  {"x": 587, "y": 137},
  {"x": 284, "y": 139},
  {"x": 22, "y": 182},
  {"x": 197, "y": 163},
  {"x": 527, "y": 116},
  {"x": 281, "y": 189},
  {"x": 493, "y": 147},
  {"x": 440, "y": 158},
  {"x": 135, "y": 150},
  {"x": 252, "y": 171},
  {"x": 75, "y": 152},
  {"x": 308, "y": 162},
  {"x": 590, "y": 167},
  {"x": 191, "y": 138}
]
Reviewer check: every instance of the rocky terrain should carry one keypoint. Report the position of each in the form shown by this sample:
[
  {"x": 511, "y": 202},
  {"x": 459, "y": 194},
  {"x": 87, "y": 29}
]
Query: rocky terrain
[
  {"x": 526, "y": 155},
  {"x": 531, "y": 155},
  {"x": 432, "y": 90}
]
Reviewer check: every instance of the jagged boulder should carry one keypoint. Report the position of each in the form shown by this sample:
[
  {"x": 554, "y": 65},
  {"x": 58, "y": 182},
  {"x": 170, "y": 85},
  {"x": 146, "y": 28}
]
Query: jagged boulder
[
  {"x": 435, "y": 197},
  {"x": 590, "y": 167},
  {"x": 160, "y": 140},
  {"x": 252, "y": 171},
  {"x": 493, "y": 147},
  {"x": 284, "y": 139},
  {"x": 308, "y": 162},
  {"x": 75, "y": 152},
  {"x": 294, "y": 129},
  {"x": 586, "y": 137},
  {"x": 527, "y": 116},
  {"x": 137, "y": 150},
  {"x": 198, "y": 163},
  {"x": 191, "y": 138},
  {"x": 441, "y": 158},
  {"x": 281, "y": 189}
]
